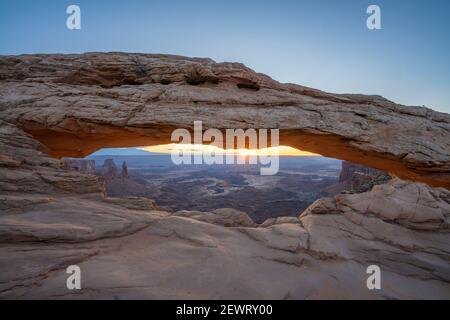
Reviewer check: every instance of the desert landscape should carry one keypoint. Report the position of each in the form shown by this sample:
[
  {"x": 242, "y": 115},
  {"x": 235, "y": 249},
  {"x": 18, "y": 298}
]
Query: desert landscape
[
  {"x": 204, "y": 187},
  {"x": 140, "y": 232}
]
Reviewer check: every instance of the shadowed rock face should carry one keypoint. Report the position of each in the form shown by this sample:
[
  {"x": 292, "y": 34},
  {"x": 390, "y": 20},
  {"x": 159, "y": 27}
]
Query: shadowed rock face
[
  {"x": 356, "y": 178},
  {"x": 109, "y": 170},
  {"x": 82, "y": 165},
  {"x": 76, "y": 104},
  {"x": 52, "y": 217}
]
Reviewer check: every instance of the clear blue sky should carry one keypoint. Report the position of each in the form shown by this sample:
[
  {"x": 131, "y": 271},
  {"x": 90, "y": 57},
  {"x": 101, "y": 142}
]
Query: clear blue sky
[{"x": 322, "y": 43}]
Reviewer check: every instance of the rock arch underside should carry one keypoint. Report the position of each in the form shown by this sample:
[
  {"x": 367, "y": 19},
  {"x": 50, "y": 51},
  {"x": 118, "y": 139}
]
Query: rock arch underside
[{"x": 54, "y": 106}]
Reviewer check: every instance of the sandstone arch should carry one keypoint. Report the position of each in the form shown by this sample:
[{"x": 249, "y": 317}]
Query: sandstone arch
[
  {"x": 51, "y": 217},
  {"x": 75, "y": 104}
]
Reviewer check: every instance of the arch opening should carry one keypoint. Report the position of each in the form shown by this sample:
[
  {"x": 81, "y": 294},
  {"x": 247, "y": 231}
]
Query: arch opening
[
  {"x": 79, "y": 139},
  {"x": 301, "y": 179}
]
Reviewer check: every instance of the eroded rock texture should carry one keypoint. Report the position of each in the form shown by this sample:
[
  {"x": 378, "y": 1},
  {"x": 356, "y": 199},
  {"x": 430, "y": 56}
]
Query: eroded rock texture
[
  {"x": 52, "y": 217},
  {"x": 356, "y": 178},
  {"x": 76, "y": 104}
]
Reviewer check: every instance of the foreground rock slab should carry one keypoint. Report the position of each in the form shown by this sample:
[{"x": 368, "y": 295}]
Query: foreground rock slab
[
  {"x": 144, "y": 253},
  {"x": 52, "y": 217}
]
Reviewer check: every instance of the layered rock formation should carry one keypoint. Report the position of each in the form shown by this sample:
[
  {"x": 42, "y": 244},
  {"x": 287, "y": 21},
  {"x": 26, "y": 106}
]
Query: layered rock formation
[
  {"x": 76, "y": 104},
  {"x": 81, "y": 165},
  {"x": 109, "y": 170},
  {"x": 357, "y": 178},
  {"x": 118, "y": 183},
  {"x": 52, "y": 217},
  {"x": 151, "y": 254}
]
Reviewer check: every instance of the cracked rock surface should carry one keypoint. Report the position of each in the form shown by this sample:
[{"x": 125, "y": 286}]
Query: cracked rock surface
[
  {"x": 76, "y": 104},
  {"x": 52, "y": 217}
]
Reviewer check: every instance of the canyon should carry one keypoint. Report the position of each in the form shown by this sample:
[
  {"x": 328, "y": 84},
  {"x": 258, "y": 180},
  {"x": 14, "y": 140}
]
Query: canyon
[
  {"x": 53, "y": 216},
  {"x": 204, "y": 188}
]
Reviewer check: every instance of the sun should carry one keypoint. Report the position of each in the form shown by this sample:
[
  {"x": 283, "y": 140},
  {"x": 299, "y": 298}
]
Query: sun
[{"x": 199, "y": 148}]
